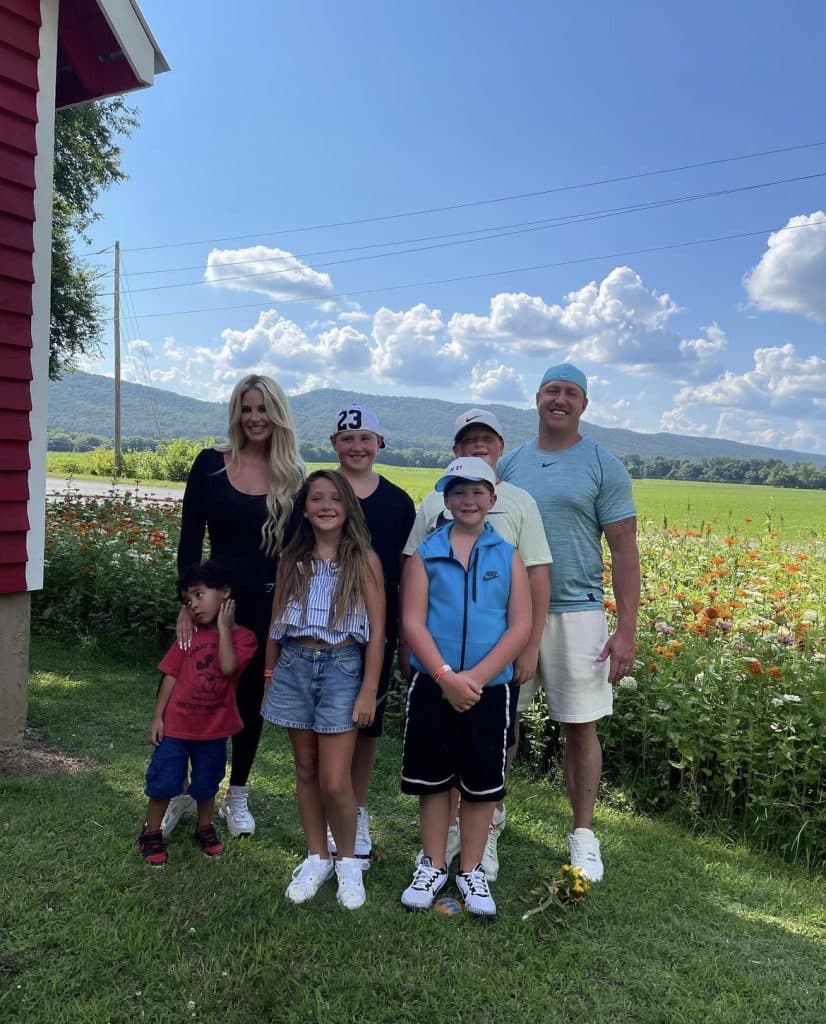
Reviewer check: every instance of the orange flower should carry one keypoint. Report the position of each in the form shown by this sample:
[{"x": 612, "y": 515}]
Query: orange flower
[
  {"x": 774, "y": 672},
  {"x": 711, "y": 612},
  {"x": 755, "y": 668},
  {"x": 610, "y": 606}
]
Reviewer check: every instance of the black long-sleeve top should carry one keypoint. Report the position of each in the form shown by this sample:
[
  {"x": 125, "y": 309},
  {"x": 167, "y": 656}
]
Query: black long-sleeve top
[{"x": 232, "y": 520}]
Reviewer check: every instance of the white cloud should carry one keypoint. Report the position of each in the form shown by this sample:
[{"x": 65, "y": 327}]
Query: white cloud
[
  {"x": 754, "y": 429},
  {"x": 411, "y": 347},
  {"x": 139, "y": 347},
  {"x": 616, "y": 322},
  {"x": 791, "y": 272},
  {"x": 277, "y": 346},
  {"x": 272, "y": 272},
  {"x": 171, "y": 349},
  {"x": 791, "y": 388},
  {"x": 355, "y": 314},
  {"x": 345, "y": 348},
  {"x": 780, "y": 381},
  {"x": 496, "y": 383}
]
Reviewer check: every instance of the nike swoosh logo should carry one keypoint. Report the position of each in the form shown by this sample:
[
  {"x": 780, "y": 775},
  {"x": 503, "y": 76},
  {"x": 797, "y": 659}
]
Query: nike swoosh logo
[
  {"x": 544, "y": 464},
  {"x": 469, "y": 419}
]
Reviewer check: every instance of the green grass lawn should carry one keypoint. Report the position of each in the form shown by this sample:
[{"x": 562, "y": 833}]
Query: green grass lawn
[{"x": 682, "y": 930}]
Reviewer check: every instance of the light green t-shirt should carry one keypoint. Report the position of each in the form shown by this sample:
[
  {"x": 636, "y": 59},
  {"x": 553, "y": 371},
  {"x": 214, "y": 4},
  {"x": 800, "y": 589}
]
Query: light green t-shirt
[{"x": 515, "y": 517}]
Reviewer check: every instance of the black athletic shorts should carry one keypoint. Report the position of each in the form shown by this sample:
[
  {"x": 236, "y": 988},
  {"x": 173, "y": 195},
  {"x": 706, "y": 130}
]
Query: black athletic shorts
[
  {"x": 377, "y": 726},
  {"x": 443, "y": 748}
]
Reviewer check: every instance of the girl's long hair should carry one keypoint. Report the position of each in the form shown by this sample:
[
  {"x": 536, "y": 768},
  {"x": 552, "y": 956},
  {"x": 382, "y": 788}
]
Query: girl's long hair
[
  {"x": 295, "y": 565},
  {"x": 286, "y": 466}
]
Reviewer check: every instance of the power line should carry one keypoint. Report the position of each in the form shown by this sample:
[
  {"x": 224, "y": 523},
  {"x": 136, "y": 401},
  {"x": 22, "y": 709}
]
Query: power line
[
  {"x": 518, "y": 229},
  {"x": 488, "y": 202},
  {"x": 139, "y": 363},
  {"x": 483, "y": 232},
  {"x": 495, "y": 273}
]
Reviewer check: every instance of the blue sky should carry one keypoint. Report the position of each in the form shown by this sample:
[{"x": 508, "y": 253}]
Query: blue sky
[{"x": 278, "y": 119}]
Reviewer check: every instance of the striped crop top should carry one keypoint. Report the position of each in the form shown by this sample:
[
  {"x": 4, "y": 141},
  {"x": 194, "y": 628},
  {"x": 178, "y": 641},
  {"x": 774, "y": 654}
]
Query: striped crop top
[{"x": 313, "y": 620}]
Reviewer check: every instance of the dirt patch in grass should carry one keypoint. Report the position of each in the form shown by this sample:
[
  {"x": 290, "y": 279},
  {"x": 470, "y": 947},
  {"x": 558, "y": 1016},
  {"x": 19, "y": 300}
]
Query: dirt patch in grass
[{"x": 34, "y": 759}]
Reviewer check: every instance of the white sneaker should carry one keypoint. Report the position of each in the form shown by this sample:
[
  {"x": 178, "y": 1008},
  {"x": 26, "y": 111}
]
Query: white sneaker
[
  {"x": 364, "y": 841},
  {"x": 428, "y": 882},
  {"x": 452, "y": 847},
  {"x": 236, "y": 813},
  {"x": 177, "y": 807},
  {"x": 583, "y": 852},
  {"x": 500, "y": 817},
  {"x": 490, "y": 857},
  {"x": 308, "y": 878},
  {"x": 475, "y": 892},
  {"x": 350, "y": 893}
]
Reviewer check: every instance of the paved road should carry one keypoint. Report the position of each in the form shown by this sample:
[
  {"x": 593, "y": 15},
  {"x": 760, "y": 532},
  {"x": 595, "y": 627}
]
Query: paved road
[{"x": 57, "y": 487}]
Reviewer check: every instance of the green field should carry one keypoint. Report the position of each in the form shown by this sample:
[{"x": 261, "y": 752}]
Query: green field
[{"x": 727, "y": 507}]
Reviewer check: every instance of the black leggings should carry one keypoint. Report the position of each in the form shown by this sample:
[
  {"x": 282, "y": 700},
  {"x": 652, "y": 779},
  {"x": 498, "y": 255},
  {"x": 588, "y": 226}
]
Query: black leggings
[{"x": 253, "y": 610}]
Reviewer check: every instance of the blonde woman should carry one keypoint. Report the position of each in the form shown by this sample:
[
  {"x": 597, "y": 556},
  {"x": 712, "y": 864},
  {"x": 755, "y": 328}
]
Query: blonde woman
[{"x": 241, "y": 495}]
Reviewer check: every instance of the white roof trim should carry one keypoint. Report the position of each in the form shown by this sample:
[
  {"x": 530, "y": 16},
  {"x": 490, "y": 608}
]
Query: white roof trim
[{"x": 135, "y": 38}]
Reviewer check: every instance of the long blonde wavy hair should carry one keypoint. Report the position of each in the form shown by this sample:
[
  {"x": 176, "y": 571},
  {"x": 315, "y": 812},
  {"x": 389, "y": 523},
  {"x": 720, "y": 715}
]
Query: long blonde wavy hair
[
  {"x": 286, "y": 466},
  {"x": 295, "y": 568}
]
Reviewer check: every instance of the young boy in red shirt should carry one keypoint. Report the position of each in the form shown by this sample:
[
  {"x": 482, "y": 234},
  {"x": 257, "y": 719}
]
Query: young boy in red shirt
[{"x": 195, "y": 710}]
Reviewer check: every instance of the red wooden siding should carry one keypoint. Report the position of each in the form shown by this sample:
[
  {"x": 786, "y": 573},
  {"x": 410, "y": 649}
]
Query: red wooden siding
[{"x": 19, "y": 52}]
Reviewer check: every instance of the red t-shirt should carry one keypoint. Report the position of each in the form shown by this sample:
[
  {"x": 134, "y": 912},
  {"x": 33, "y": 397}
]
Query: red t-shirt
[{"x": 202, "y": 704}]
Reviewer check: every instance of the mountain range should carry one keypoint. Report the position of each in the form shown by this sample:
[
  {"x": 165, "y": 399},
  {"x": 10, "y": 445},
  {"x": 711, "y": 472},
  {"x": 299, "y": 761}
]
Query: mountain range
[{"x": 83, "y": 403}]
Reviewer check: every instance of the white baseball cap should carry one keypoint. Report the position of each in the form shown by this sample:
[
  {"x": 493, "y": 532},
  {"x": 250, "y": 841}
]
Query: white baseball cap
[
  {"x": 470, "y": 468},
  {"x": 476, "y": 417},
  {"x": 356, "y": 416}
]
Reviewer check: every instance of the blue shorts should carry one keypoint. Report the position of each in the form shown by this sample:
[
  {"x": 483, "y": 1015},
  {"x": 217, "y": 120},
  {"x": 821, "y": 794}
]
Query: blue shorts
[
  {"x": 314, "y": 689},
  {"x": 167, "y": 770}
]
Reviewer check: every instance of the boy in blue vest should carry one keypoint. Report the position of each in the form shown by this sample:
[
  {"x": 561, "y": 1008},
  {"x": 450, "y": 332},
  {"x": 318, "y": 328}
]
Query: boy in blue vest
[{"x": 466, "y": 615}]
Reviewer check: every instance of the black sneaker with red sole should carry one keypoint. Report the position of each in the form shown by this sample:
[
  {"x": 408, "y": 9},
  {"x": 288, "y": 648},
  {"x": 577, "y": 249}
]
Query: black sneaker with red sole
[
  {"x": 207, "y": 839},
  {"x": 150, "y": 843}
]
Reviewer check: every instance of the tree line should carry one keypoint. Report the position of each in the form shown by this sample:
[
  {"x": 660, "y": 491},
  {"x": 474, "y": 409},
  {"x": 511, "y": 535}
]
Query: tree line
[{"x": 147, "y": 459}]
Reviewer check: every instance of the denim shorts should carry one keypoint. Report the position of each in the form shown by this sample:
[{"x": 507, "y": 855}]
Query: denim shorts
[
  {"x": 167, "y": 770},
  {"x": 314, "y": 689}
]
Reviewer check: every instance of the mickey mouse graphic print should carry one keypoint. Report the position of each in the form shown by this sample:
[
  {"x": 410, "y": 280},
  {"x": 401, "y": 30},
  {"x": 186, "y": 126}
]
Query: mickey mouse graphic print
[{"x": 202, "y": 705}]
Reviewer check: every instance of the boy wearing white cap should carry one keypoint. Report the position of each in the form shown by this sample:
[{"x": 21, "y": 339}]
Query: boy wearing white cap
[
  {"x": 583, "y": 493},
  {"x": 466, "y": 616},
  {"x": 477, "y": 432},
  {"x": 388, "y": 511}
]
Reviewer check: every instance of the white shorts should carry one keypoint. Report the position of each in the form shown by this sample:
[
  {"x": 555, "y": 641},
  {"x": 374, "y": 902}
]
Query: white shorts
[{"x": 575, "y": 683}]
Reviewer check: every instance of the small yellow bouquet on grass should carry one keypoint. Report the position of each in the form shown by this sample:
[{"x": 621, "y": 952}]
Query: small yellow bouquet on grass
[{"x": 567, "y": 889}]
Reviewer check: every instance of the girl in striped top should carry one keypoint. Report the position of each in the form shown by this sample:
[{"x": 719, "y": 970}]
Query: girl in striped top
[{"x": 324, "y": 657}]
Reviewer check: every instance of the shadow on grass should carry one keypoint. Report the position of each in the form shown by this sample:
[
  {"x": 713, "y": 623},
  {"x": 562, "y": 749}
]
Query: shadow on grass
[{"x": 683, "y": 929}]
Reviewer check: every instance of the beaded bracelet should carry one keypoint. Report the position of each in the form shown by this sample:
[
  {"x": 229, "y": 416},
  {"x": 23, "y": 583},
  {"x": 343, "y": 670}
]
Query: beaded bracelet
[{"x": 441, "y": 671}]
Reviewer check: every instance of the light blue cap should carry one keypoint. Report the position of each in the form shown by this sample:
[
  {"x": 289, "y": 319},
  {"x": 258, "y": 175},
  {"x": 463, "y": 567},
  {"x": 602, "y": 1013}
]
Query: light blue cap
[{"x": 569, "y": 372}]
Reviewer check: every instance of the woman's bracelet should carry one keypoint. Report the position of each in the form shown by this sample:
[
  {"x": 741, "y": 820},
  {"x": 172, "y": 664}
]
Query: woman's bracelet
[
  {"x": 442, "y": 670},
  {"x": 267, "y": 673}
]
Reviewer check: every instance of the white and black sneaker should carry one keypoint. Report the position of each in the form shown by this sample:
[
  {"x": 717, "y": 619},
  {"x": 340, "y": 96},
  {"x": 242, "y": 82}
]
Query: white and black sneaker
[
  {"x": 363, "y": 849},
  {"x": 428, "y": 882},
  {"x": 583, "y": 852},
  {"x": 177, "y": 808},
  {"x": 475, "y": 892},
  {"x": 236, "y": 812}
]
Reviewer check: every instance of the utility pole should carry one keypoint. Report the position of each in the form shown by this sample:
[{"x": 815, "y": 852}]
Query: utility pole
[{"x": 118, "y": 453}]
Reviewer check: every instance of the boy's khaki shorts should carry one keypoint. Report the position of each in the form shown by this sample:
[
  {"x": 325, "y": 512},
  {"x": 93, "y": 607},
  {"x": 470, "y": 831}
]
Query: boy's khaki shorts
[{"x": 575, "y": 684}]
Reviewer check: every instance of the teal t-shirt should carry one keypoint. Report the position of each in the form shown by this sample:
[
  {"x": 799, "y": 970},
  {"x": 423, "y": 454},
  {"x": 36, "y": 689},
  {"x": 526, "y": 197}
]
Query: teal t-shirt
[{"x": 578, "y": 490}]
